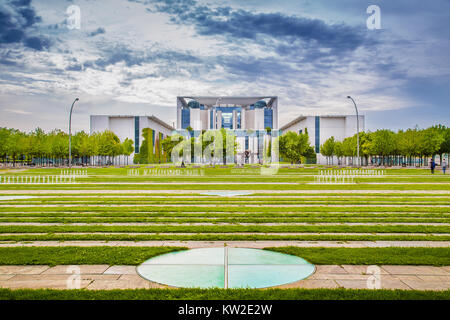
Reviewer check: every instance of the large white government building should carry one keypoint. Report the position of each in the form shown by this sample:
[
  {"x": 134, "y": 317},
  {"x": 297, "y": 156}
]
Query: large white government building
[
  {"x": 248, "y": 117},
  {"x": 127, "y": 126},
  {"x": 321, "y": 128}
]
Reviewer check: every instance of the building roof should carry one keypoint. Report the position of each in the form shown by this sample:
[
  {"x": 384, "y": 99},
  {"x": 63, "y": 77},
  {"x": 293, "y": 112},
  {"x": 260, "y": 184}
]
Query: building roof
[
  {"x": 152, "y": 117},
  {"x": 300, "y": 118},
  {"x": 296, "y": 120},
  {"x": 227, "y": 100}
]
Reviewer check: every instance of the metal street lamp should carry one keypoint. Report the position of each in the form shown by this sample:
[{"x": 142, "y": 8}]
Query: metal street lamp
[
  {"x": 70, "y": 134},
  {"x": 357, "y": 129}
]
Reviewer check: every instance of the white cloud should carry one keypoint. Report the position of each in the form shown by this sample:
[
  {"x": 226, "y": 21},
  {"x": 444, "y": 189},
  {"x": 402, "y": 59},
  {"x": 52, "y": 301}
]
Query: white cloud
[{"x": 17, "y": 111}]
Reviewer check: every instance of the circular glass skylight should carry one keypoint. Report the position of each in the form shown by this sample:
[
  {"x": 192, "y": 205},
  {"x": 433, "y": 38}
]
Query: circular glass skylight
[{"x": 225, "y": 268}]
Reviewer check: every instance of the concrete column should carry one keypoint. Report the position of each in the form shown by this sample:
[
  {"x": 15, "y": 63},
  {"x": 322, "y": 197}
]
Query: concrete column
[
  {"x": 179, "y": 106},
  {"x": 275, "y": 114}
]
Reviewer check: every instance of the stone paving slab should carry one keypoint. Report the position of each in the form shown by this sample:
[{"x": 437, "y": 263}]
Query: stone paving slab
[
  {"x": 425, "y": 285},
  {"x": 121, "y": 270},
  {"x": 40, "y": 284},
  {"x": 23, "y": 269},
  {"x": 33, "y": 277},
  {"x": 359, "y": 269},
  {"x": 119, "y": 284},
  {"x": 423, "y": 270},
  {"x": 89, "y": 269},
  {"x": 105, "y": 277},
  {"x": 311, "y": 284}
]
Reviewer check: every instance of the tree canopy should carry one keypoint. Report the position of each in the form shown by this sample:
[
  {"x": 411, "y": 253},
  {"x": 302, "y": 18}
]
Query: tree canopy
[{"x": 40, "y": 147}]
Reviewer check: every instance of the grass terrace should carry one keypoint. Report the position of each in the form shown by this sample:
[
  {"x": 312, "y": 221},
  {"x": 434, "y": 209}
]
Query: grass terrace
[{"x": 109, "y": 204}]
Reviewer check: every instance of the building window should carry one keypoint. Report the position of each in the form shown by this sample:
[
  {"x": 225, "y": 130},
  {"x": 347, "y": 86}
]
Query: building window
[
  {"x": 211, "y": 119},
  {"x": 185, "y": 118},
  {"x": 246, "y": 142},
  {"x": 153, "y": 136},
  {"x": 227, "y": 120},
  {"x": 136, "y": 134},
  {"x": 238, "y": 122},
  {"x": 317, "y": 134},
  {"x": 268, "y": 118}
]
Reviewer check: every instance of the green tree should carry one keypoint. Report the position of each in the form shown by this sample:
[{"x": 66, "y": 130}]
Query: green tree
[
  {"x": 5, "y": 135},
  {"x": 327, "y": 149},
  {"x": 108, "y": 145},
  {"x": 293, "y": 146},
  {"x": 432, "y": 139},
  {"x": 127, "y": 148},
  {"x": 384, "y": 143},
  {"x": 338, "y": 151}
]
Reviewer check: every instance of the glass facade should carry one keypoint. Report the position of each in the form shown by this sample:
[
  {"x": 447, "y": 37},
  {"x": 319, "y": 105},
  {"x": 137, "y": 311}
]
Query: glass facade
[
  {"x": 317, "y": 134},
  {"x": 227, "y": 120},
  {"x": 211, "y": 119},
  {"x": 227, "y": 116},
  {"x": 185, "y": 118},
  {"x": 238, "y": 122},
  {"x": 268, "y": 118},
  {"x": 136, "y": 134}
]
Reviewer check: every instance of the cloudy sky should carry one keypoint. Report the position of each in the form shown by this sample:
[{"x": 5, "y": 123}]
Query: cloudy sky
[{"x": 135, "y": 57}]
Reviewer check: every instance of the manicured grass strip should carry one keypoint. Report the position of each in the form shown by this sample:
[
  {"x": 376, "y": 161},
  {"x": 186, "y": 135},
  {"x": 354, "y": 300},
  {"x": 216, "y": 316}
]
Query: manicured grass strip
[
  {"x": 222, "y": 294},
  {"x": 224, "y": 186},
  {"x": 234, "y": 219},
  {"x": 229, "y": 229},
  {"x": 253, "y": 195},
  {"x": 169, "y": 201},
  {"x": 213, "y": 215},
  {"x": 220, "y": 208},
  {"x": 80, "y": 255},
  {"x": 218, "y": 237},
  {"x": 371, "y": 256},
  {"x": 137, "y": 255}
]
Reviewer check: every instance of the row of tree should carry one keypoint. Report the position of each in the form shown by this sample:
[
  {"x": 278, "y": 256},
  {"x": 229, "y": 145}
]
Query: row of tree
[
  {"x": 386, "y": 147},
  {"x": 222, "y": 143},
  {"x": 205, "y": 146},
  {"x": 412, "y": 146},
  {"x": 43, "y": 148}
]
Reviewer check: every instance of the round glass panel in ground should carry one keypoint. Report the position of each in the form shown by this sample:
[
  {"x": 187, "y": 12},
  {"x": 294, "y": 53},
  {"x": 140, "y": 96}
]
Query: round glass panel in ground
[{"x": 225, "y": 268}]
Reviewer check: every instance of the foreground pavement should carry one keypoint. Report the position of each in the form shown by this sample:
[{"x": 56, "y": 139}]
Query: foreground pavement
[
  {"x": 241, "y": 244},
  {"x": 105, "y": 277}
]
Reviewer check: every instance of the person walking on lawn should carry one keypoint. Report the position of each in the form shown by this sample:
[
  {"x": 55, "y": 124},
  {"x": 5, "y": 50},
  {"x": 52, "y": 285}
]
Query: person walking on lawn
[
  {"x": 432, "y": 165},
  {"x": 444, "y": 166}
]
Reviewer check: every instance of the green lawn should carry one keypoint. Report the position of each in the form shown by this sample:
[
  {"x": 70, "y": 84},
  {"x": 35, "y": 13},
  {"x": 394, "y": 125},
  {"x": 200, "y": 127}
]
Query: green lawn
[
  {"x": 177, "y": 206},
  {"x": 221, "y": 294},
  {"x": 137, "y": 255}
]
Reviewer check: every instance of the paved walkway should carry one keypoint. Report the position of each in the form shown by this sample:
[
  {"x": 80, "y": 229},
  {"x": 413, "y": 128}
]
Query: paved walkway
[
  {"x": 241, "y": 244},
  {"x": 105, "y": 277}
]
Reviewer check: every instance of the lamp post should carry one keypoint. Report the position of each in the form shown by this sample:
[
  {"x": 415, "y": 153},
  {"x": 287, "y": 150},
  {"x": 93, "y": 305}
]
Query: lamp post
[
  {"x": 357, "y": 130},
  {"x": 70, "y": 134}
]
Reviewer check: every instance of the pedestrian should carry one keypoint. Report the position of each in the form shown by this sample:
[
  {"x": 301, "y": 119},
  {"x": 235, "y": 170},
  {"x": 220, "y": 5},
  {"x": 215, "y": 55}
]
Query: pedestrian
[
  {"x": 432, "y": 166},
  {"x": 444, "y": 166}
]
